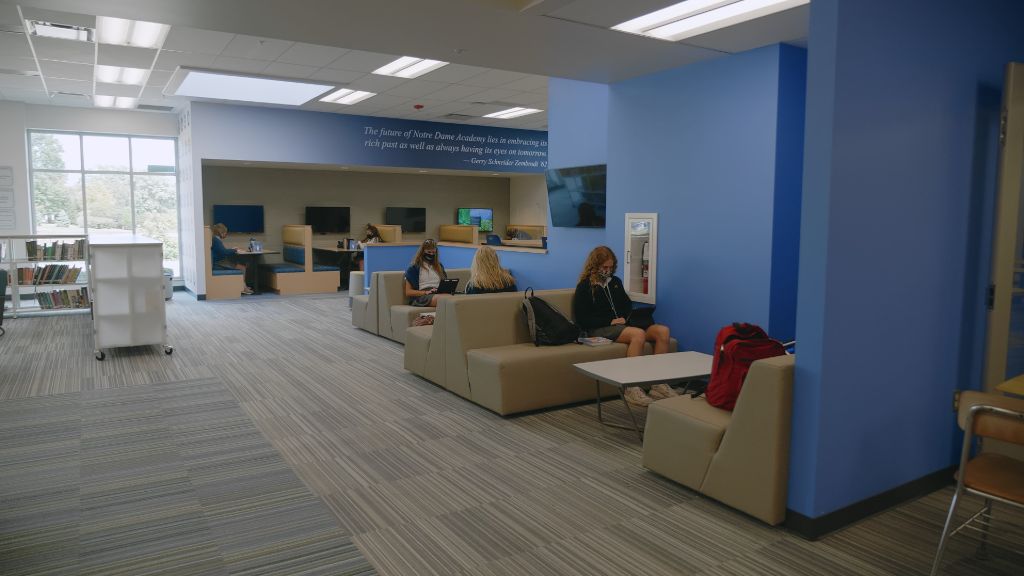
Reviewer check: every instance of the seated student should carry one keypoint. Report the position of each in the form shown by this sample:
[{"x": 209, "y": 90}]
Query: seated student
[
  {"x": 424, "y": 275},
  {"x": 487, "y": 275},
  {"x": 222, "y": 256},
  {"x": 371, "y": 236},
  {"x": 601, "y": 306}
]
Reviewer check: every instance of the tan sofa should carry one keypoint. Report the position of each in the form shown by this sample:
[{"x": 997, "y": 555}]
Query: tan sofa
[
  {"x": 480, "y": 349},
  {"x": 364, "y": 307},
  {"x": 394, "y": 315},
  {"x": 740, "y": 458}
]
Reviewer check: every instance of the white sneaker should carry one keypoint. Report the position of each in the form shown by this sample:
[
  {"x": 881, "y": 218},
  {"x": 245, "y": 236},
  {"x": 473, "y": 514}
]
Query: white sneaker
[
  {"x": 661, "y": 391},
  {"x": 636, "y": 396}
]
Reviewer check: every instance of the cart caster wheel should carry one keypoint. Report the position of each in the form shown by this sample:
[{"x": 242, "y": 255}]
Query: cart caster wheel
[
  {"x": 100, "y": 356},
  {"x": 168, "y": 350}
]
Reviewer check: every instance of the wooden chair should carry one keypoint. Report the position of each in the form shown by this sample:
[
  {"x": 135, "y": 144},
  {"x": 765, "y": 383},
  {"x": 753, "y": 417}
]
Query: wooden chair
[{"x": 993, "y": 476}]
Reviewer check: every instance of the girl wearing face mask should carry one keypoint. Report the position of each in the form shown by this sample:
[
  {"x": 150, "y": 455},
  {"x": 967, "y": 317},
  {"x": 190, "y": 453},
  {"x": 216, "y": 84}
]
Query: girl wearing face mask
[
  {"x": 601, "y": 306},
  {"x": 424, "y": 275}
]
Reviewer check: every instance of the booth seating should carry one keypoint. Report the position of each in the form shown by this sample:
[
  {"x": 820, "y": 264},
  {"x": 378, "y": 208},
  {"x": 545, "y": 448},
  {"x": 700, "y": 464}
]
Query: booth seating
[
  {"x": 740, "y": 458},
  {"x": 221, "y": 283},
  {"x": 389, "y": 232},
  {"x": 298, "y": 274},
  {"x": 394, "y": 315},
  {"x": 479, "y": 347},
  {"x": 364, "y": 307},
  {"x": 458, "y": 233},
  {"x": 525, "y": 231}
]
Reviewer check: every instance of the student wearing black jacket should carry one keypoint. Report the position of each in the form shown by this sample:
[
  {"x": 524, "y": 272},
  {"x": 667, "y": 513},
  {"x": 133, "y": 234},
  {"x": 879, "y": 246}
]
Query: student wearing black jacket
[{"x": 601, "y": 306}]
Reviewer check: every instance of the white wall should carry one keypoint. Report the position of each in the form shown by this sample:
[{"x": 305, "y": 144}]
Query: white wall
[
  {"x": 528, "y": 200},
  {"x": 12, "y": 153}
]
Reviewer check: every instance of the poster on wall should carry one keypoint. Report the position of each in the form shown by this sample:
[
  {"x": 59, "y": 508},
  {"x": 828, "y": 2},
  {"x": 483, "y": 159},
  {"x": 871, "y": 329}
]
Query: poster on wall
[{"x": 7, "y": 220}]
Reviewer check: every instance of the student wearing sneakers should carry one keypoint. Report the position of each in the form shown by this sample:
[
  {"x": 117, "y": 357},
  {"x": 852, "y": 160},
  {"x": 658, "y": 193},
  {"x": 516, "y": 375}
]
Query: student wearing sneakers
[
  {"x": 222, "y": 256},
  {"x": 601, "y": 306},
  {"x": 424, "y": 275}
]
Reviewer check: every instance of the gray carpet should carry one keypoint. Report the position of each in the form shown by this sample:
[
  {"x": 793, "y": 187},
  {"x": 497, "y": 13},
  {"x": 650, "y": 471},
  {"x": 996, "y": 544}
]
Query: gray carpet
[
  {"x": 422, "y": 481},
  {"x": 168, "y": 478}
]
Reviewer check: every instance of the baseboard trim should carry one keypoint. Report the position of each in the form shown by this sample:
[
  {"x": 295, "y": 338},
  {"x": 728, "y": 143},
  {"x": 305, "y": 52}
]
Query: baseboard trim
[{"x": 814, "y": 528}]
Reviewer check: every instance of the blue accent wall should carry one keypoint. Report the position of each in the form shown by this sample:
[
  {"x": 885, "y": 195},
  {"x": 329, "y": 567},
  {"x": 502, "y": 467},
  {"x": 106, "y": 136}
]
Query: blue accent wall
[
  {"x": 898, "y": 159},
  {"x": 701, "y": 146}
]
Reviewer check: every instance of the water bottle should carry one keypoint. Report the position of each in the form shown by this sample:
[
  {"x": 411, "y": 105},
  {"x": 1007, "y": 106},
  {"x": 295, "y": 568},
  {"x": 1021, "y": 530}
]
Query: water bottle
[{"x": 252, "y": 245}]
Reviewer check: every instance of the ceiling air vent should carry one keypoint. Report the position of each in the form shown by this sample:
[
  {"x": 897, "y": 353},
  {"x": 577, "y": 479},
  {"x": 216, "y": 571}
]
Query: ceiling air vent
[
  {"x": 18, "y": 72},
  {"x": 153, "y": 108},
  {"x": 457, "y": 116}
]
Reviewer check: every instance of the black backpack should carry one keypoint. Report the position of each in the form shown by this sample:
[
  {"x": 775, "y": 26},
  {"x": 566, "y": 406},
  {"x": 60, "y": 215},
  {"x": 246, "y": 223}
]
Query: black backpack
[{"x": 548, "y": 326}]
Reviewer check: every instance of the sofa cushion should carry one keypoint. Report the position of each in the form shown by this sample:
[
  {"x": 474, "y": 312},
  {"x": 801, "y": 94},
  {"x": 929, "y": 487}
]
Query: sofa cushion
[
  {"x": 401, "y": 318},
  {"x": 294, "y": 254},
  {"x": 281, "y": 268},
  {"x": 218, "y": 271},
  {"x": 682, "y": 436}
]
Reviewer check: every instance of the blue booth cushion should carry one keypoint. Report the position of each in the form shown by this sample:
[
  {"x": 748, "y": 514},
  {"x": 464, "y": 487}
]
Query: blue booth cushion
[
  {"x": 295, "y": 255},
  {"x": 325, "y": 268},
  {"x": 218, "y": 271},
  {"x": 282, "y": 268}
]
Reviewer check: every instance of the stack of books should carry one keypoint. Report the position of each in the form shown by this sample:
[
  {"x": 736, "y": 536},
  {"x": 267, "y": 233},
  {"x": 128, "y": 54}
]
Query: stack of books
[
  {"x": 49, "y": 274},
  {"x": 55, "y": 250},
  {"x": 58, "y": 299}
]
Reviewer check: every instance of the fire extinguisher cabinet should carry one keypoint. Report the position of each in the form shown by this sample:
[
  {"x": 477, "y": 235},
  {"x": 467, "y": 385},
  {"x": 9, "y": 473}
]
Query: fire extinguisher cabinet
[{"x": 639, "y": 270}]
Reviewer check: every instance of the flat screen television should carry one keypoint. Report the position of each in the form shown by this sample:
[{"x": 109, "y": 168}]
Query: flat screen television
[
  {"x": 328, "y": 219},
  {"x": 242, "y": 218},
  {"x": 411, "y": 219},
  {"x": 576, "y": 196},
  {"x": 482, "y": 218}
]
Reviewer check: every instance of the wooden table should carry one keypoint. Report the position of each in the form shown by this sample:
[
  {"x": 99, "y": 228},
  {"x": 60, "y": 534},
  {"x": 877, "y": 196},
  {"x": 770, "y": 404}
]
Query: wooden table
[
  {"x": 252, "y": 263},
  {"x": 344, "y": 262}
]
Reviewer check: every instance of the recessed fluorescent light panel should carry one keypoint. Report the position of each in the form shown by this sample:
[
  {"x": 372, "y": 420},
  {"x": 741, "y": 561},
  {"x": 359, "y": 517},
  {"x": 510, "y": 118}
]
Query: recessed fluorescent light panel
[
  {"x": 130, "y": 32},
  {"x": 221, "y": 86},
  {"x": 695, "y": 17},
  {"x": 409, "y": 67},
  {"x": 121, "y": 75},
  {"x": 62, "y": 31},
  {"x": 346, "y": 96},
  {"x": 512, "y": 113},
  {"x": 112, "y": 102}
]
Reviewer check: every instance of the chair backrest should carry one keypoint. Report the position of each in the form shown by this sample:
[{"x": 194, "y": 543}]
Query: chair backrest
[
  {"x": 297, "y": 240},
  {"x": 494, "y": 240},
  {"x": 389, "y": 232},
  {"x": 458, "y": 233}
]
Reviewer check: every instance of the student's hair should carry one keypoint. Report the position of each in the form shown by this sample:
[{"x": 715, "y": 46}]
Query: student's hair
[
  {"x": 595, "y": 259},
  {"x": 486, "y": 272},
  {"x": 371, "y": 233},
  {"x": 419, "y": 262},
  {"x": 219, "y": 229}
]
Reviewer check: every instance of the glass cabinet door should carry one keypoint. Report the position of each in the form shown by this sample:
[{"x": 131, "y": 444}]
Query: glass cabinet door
[{"x": 639, "y": 263}]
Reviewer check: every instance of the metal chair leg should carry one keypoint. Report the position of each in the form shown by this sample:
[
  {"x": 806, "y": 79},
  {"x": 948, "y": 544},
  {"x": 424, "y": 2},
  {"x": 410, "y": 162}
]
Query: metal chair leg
[
  {"x": 986, "y": 516},
  {"x": 945, "y": 533}
]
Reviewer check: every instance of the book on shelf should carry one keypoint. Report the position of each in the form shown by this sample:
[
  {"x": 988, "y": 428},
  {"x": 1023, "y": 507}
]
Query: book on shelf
[
  {"x": 58, "y": 299},
  {"x": 594, "y": 340},
  {"x": 56, "y": 250}
]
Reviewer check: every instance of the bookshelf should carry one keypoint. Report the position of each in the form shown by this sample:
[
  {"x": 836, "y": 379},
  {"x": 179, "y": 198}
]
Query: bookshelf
[{"x": 47, "y": 274}]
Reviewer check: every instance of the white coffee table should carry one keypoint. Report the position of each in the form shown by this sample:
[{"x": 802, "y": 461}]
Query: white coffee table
[{"x": 644, "y": 371}]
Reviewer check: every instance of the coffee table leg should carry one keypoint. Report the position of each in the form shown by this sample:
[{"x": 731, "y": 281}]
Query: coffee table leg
[
  {"x": 639, "y": 432},
  {"x": 597, "y": 387}
]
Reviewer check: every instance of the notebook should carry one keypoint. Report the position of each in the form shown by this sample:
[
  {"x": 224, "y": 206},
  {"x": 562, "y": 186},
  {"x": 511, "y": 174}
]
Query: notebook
[
  {"x": 641, "y": 317},
  {"x": 448, "y": 286}
]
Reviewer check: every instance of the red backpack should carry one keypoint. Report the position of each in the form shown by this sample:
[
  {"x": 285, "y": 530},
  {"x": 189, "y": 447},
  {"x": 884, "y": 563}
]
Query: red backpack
[{"x": 736, "y": 348}]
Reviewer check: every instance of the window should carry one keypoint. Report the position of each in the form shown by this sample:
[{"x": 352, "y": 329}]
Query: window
[{"x": 102, "y": 183}]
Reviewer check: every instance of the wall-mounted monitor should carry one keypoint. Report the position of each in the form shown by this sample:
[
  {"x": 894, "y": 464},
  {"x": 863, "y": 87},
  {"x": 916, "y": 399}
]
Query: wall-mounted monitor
[
  {"x": 576, "y": 196},
  {"x": 410, "y": 219},
  {"x": 242, "y": 218},
  {"x": 328, "y": 219},
  {"x": 482, "y": 218}
]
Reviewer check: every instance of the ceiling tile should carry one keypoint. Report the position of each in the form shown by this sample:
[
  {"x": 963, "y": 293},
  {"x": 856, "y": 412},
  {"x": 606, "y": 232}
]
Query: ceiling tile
[
  {"x": 494, "y": 95},
  {"x": 359, "y": 61},
  {"x": 17, "y": 64},
  {"x": 153, "y": 93},
  {"x": 416, "y": 88},
  {"x": 255, "y": 48},
  {"x": 311, "y": 54},
  {"x": 9, "y": 17},
  {"x": 525, "y": 99},
  {"x": 21, "y": 82},
  {"x": 71, "y": 86},
  {"x": 67, "y": 50},
  {"x": 376, "y": 83},
  {"x": 187, "y": 39},
  {"x": 158, "y": 78},
  {"x": 69, "y": 70},
  {"x": 456, "y": 92},
  {"x": 379, "y": 102},
  {"x": 230, "y": 64},
  {"x": 492, "y": 78},
  {"x": 441, "y": 107},
  {"x": 130, "y": 56},
  {"x": 531, "y": 83},
  {"x": 455, "y": 73},
  {"x": 118, "y": 89},
  {"x": 28, "y": 96},
  {"x": 289, "y": 70},
  {"x": 14, "y": 45},
  {"x": 337, "y": 76},
  {"x": 169, "y": 60}
]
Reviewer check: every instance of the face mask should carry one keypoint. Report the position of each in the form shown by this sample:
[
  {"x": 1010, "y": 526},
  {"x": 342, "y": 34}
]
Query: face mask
[
  {"x": 428, "y": 257},
  {"x": 604, "y": 274}
]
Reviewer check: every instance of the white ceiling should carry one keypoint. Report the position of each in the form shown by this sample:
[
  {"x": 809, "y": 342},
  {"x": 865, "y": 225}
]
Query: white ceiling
[{"x": 502, "y": 51}]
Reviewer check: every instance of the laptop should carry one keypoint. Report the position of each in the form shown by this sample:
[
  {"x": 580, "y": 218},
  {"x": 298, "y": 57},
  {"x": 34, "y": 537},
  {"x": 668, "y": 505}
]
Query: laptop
[
  {"x": 448, "y": 286},
  {"x": 641, "y": 317}
]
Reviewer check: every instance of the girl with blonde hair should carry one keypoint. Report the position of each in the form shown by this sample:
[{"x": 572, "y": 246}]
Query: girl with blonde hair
[
  {"x": 601, "y": 306},
  {"x": 487, "y": 275}
]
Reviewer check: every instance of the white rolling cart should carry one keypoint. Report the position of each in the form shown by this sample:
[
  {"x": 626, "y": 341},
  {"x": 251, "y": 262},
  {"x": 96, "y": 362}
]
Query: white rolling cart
[{"x": 126, "y": 278}]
